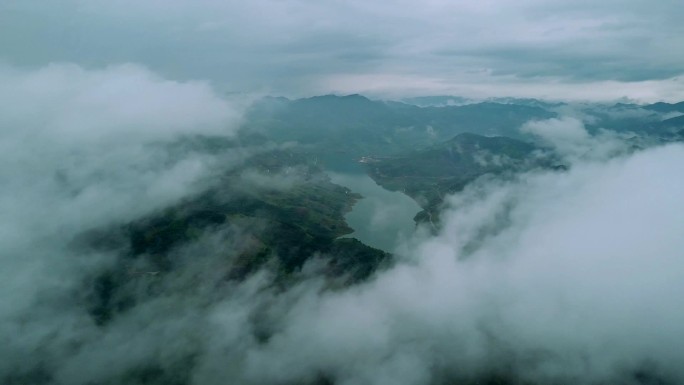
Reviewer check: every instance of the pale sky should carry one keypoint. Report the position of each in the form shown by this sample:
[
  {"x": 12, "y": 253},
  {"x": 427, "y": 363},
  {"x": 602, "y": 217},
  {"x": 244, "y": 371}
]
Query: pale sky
[{"x": 559, "y": 49}]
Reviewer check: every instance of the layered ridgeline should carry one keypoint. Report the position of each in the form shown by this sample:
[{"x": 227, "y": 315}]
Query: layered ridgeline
[
  {"x": 344, "y": 128},
  {"x": 659, "y": 120},
  {"x": 430, "y": 147},
  {"x": 347, "y": 127}
]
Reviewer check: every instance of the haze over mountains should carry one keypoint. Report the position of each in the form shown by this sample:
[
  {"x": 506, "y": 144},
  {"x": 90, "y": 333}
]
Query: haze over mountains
[
  {"x": 249, "y": 273},
  {"x": 292, "y": 192}
]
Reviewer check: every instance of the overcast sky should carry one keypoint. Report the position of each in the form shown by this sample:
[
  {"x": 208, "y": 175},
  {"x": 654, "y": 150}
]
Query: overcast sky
[{"x": 541, "y": 48}]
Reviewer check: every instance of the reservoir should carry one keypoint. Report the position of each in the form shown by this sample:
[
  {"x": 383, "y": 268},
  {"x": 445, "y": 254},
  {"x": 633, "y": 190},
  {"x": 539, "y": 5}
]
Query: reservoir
[{"x": 381, "y": 218}]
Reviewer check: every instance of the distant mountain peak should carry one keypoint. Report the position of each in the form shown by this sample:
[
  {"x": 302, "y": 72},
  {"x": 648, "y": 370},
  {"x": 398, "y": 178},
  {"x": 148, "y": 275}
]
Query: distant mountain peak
[
  {"x": 339, "y": 97},
  {"x": 665, "y": 107}
]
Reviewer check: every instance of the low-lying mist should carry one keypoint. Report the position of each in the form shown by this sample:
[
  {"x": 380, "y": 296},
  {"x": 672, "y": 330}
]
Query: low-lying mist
[
  {"x": 80, "y": 150},
  {"x": 567, "y": 276}
]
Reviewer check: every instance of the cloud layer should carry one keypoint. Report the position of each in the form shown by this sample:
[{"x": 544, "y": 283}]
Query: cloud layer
[
  {"x": 559, "y": 49},
  {"x": 79, "y": 150},
  {"x": 574, "y": 277},
  {"x": 553, "y": 277},
  {"x": 567, "y": 276}
]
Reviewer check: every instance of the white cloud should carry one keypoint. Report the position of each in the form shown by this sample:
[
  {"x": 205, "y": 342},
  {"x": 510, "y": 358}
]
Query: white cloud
[
  {"x": 575, "y": 278},
  {"x": 64, "y": 102},
  {"x": 564, "y": 133},
  {"x": 482, "y": 84},
  {"x": 81, "y": 149},
  {"x": 569, "y": 139}
]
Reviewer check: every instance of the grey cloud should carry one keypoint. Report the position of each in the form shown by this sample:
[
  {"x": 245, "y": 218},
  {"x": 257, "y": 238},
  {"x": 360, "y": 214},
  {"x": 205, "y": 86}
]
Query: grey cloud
[
  {"x": 239, "y": 46},
  {"x": 296, "y": 47},
  {"x": 574, "y": 62}
]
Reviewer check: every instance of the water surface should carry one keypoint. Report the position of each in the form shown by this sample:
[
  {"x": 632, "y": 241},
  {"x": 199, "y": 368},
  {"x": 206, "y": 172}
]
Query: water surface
[{"x": 382, "y": 218}]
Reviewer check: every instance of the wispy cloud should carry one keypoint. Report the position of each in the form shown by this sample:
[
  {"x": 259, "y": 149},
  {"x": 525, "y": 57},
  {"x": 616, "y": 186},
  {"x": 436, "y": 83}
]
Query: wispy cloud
[{"x": 82, "y": 149}]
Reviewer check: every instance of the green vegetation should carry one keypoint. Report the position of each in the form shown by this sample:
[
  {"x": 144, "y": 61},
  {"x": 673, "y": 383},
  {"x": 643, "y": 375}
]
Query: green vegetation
[
  {"x": 279, "y": 229},
  {"x": 428, "y": 175},
  {"x": 337, "y": 128}
]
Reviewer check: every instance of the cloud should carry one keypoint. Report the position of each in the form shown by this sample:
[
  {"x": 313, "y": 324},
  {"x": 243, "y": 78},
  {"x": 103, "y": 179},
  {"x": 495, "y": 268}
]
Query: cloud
[
  {"x": 551, "y": 277},
  {"x": 494, "y": 48},
  {"x": 83, "y": 149},
  {"x": 570, "y": 140},
  {"x": 564, "y": 133},
  {"x": 481, "y": 84},
  {"x": 65, "y": 101},
  {"x": 574, "y": 279},
  {"x": 88, "y": 142}
]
